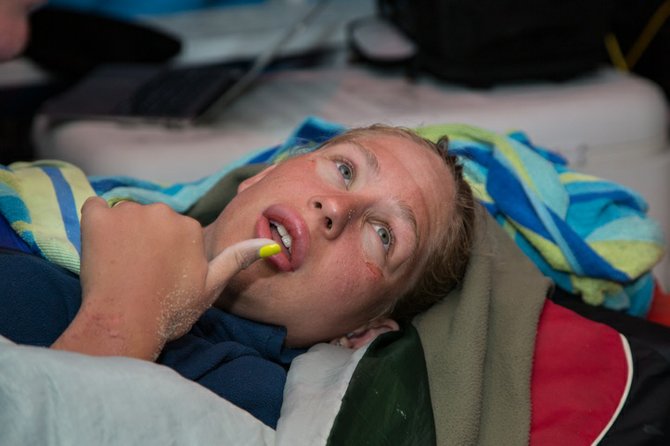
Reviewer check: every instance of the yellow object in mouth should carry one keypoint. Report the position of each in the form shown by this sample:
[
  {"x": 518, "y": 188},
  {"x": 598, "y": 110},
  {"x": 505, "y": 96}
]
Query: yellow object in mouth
[{"x": 269, "y": 250}]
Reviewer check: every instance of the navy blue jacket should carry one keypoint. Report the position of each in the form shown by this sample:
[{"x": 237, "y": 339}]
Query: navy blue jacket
[{"x": 242, "y": 361}]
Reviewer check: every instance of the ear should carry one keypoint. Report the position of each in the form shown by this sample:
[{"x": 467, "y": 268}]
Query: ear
[
  {"x": 255, "y": 179},
  {"x": 363, "y": 335}
]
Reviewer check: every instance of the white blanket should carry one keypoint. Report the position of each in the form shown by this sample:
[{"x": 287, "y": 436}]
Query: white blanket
[{"x": 50, "y": 397}]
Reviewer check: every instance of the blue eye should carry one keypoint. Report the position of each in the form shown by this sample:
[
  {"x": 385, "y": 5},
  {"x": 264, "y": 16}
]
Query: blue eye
[
  {"x": 346, "y": 171},
  {"x": 385, "y": 236}
]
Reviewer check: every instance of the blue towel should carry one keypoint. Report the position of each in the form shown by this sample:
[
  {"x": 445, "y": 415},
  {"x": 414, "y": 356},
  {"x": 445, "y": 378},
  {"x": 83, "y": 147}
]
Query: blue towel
[{"x": 591, "y": 236}]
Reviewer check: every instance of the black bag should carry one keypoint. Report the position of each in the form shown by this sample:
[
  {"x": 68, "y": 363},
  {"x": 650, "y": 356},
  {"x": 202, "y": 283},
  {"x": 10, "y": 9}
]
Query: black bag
[{"x": 485, "y": 42}]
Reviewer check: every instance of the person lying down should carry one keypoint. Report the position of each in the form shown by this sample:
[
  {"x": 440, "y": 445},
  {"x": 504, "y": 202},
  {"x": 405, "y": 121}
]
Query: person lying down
[{"x": 337, "y": 245}]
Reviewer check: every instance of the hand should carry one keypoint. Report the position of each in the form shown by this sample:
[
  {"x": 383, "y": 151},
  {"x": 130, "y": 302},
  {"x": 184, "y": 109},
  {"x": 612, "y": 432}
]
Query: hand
[{"x": 145, "y": 278}]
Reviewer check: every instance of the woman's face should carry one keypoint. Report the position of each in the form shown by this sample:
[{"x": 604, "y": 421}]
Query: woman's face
[
  {"x": 359, "y": 218},
  {"x": 14, "y": 26}
]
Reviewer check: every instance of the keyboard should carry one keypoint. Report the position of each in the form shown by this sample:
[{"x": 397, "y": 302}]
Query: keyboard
[{"x": 181, "y": 91}]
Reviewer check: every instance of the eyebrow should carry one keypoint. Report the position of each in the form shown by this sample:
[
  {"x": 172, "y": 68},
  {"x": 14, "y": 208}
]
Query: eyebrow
[
  {"x": 406, "y": 210},
  {"x": 408, "y": 214},
  {"x": 370, "y": 158}
]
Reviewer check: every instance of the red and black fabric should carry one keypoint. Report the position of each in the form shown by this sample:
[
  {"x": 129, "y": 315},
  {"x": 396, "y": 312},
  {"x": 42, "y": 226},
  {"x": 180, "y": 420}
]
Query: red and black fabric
[{"x": 599, "y": 377}]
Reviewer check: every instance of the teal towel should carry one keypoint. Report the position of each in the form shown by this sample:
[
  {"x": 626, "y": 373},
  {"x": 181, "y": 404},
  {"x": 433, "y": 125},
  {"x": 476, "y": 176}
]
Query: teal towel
[{"x": 591, "y": 236}]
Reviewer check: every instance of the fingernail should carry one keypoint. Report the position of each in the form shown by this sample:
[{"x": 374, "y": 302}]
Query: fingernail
[{"x": 269, "y": 250}]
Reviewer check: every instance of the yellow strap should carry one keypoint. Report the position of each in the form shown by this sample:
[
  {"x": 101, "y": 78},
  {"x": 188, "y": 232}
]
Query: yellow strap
[
  {"x": 648, "y": 33},
  {"x": 614, "y": 51}
]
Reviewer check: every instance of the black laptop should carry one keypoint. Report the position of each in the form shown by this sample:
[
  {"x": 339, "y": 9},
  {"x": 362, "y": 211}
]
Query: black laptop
[{"x": 168, "y": 95}]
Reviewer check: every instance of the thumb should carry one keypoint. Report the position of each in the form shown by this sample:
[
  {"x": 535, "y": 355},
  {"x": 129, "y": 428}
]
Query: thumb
[{"x": 235, "y": 258}]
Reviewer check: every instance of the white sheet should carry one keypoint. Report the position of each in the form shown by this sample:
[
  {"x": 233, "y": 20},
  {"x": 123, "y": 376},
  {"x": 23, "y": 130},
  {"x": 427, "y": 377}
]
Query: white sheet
[
  {"x": 50, "y": 397},
  {"x": 313, "y": 394}
]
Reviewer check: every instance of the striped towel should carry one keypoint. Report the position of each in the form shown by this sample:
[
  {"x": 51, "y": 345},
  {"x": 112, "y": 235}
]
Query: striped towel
[
  {"x": 42, "y": 200},
  {"x": 592, "y": 237}
]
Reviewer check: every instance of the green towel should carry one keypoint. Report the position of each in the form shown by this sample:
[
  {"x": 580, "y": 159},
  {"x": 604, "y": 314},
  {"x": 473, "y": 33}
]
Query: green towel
[{"x": 479, "y": 344}]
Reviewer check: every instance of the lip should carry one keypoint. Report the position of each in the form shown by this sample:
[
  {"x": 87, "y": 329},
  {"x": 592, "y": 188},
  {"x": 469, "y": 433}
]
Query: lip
[{"x": 297, "y": 229}]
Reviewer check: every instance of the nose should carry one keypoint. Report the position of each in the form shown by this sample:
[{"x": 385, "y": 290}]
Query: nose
[{"x": 334, "y": 212}]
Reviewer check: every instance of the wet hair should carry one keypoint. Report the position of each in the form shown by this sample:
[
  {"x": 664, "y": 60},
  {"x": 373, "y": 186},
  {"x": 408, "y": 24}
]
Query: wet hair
[{"x": 447, "y": 260}]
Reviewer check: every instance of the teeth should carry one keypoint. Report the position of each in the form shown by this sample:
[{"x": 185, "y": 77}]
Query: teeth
[
  {"x": 281, "y": 229},
  {"x": 283, "y": 233}
]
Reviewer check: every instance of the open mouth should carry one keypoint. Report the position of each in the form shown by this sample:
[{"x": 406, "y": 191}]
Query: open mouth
[{"x": 286, "y": 226}]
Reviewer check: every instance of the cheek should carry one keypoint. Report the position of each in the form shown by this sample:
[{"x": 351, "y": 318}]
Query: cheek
[
  {"x": 373, "y": 273},
  {"x": 354, "y": 259},
  {"x": 349, "y": 286},
  {"x": 234, "y": 224}
]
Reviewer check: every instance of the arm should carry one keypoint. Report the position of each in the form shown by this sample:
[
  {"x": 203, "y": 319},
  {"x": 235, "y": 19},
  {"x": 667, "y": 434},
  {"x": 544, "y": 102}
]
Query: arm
[{"x": 145, "y": 279}]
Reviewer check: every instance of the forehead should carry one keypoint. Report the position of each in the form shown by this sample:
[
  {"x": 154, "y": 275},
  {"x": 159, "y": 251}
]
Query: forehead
[
  {"x": 390, "y": 153},
  {"x": 412, "y": 172},
  {"x": 388, "y": 146}
]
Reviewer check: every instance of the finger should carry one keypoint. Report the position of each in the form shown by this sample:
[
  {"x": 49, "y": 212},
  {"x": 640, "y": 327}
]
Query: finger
[
  {"x": 236, "y": 258},
  {"x": 93, "y": 203}
]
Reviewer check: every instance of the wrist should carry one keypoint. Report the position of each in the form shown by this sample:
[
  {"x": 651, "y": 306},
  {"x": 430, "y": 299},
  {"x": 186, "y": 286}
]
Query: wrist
[{"x": 103, "y": 332}]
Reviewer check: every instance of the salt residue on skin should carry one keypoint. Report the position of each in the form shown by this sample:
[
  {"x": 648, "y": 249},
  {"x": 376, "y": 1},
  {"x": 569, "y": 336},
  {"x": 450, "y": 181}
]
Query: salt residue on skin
[
  {"x": 177, "y": 314},
  {"x": 174, "y": 315}
]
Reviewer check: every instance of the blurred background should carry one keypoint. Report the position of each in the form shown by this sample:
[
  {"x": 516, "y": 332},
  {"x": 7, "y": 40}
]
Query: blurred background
[{"x": 477, "y": 44}]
